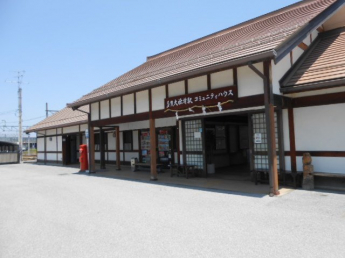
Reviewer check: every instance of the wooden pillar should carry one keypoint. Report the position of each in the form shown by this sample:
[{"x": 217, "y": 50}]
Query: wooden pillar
[
  {"x": 118, "y": 161},
  {"x": 270, "y": 126},
  {"x": 92, "y": 167},
  {"x": 270, "y": 129},
  {"x": 102, "y": 148},
  {"x": 292, "y": 139},
  {"x": 153, "y": 150}
]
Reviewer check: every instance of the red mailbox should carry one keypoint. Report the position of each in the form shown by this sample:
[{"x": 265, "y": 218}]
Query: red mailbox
[{"x": 83, "y": 157}]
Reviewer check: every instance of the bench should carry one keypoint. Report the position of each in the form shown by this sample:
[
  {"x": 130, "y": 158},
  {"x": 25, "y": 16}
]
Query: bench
[{"x": 147, "y": 165}]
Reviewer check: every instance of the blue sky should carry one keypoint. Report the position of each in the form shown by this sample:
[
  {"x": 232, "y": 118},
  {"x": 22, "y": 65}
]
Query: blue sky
[{"x": 69, "y": 48}]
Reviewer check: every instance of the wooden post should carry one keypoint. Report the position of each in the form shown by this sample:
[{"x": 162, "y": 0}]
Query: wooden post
[
  {"x": 292, "y": 140},
  {"x": 92, "y": 167},
  {"x": 153, "y": 150},
  {"x": 102, "y": 149},
  {"x": 118, "y": 161},
  {"x": 270, "y": 126}
]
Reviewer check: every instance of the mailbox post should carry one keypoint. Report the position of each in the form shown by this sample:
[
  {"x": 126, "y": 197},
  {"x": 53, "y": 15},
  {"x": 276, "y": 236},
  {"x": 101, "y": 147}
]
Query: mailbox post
[{"x": 84, "y": 166}]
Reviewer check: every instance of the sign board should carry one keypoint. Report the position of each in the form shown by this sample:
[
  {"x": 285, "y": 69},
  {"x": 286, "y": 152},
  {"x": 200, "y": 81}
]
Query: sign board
[
  {"x": 204, "y": 98},
  {"x": 197, "y": 135},
  {"x": 257, "y": 138},
  {"x": 87, "y": 134}
]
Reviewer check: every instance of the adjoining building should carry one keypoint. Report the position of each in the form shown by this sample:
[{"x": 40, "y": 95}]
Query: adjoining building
[
  {"x": 253, "y": 97},
  {"x": 9, "y": 153}
]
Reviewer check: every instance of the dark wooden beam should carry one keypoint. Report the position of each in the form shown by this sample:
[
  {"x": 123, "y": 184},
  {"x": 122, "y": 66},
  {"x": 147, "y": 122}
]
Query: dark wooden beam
[
  {"x": 118, "y": 161},
  {"x": 292, "y": 139}
]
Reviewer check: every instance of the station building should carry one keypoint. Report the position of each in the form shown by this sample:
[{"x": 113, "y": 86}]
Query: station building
[{"x": 252, "y": 97}]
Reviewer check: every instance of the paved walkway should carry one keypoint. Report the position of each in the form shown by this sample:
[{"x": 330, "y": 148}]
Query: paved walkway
[{"x": 50, "y": 211}]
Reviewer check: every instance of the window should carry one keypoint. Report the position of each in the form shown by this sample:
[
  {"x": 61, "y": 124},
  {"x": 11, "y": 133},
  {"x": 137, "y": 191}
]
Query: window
[{"x": 127, "y": 140}]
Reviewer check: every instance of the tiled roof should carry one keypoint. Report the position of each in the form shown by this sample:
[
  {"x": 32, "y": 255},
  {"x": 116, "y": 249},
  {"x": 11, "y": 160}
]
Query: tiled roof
[
  {"x": 260, "y": 35},
  {"x": 323, "y": 62},
  {"x": 65, "y": 117}
]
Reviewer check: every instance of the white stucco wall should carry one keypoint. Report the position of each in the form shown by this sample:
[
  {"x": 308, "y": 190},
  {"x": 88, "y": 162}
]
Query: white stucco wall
[
  {"x": 128, "y": 104},
  {"x": 83, "y": 127},
  {"x": 51, "y": 132},
  {"x": 197, "y": 84},
  {"x": 71, "y": 129},
  {"x": 142, "y": 98},
  {"x": 129, "y": 155},
  {"x": 249, "y": 83},
  {"x": 40, "y": 144},
  {"x": 158, "y": 96},
  {"x": 320, "y": 128},
  {"x": 222, "y": 79},
  {"x": 115, "y": 107},
  {"x": 105, "y": 109},
  {"x": 94, "y": 111},
  {"x": 135, "y": 125},
  {"x": 317, "y": 92},
  {"x": 51, "y": 157},
  {"x": 51, "y": 143},
  {"x": 296, "y": 53},
  {"x": 59, "y": 143},
  {"x": 111, "y": 142},
  {"x": 176, "y": 89},
  {"x": 278, "y": 71},
  {"x": 40, "y": 156},
  {"x": 163, "y": 122}
]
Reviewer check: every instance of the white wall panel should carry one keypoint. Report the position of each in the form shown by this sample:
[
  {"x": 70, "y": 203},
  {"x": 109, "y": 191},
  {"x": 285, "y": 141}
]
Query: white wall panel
[
  {"x": 296, "y": 53},
  {"x": 128, "y": 104},
  {"x": 51, "y": 132},
  {"x": 249, "y": 83},
  {"x": 71, "y": 129},
  {"x": 197, "y": 84},
  {"x": 325, "y": 164},
  {"x": 51, "y": 143},
  {"x": 163, "y": 122},
  {"x": 115, "y": 107},
  {"x": 135, "y": 125},
  {"x": 40, "y": 144},
  {"x": 105, "y": 109},
  {"x": 129, "y": 155},
  {"x": 59, "y": 131},
  {"x": 94, "y": 111},
  {"x": 60, "y": 157},
  {"x": 287, "y": 163},
  {"x": 158, "y": 96},
  {"x": 59, "y": 141},
  {"x": 51, "y": 157},
  {"x": 320, "y": 128},
  {"x": 176, "y": 89},
  {"x": 222, "y": 79},
  {"x": 135, "y": 140},
  {"x": 278, "y": 71},
  {"x": 112, "y": 156},
  {"x": 111, "y": 142},
  {"x": 41, "y": 133},
  {"x": 142, "y": 98},
  {"x": 40, "y": 156},
  {"x": 121, "y": 141},
  {"x": 314, "y": 34},
  {"x": 83, "y": 127}
]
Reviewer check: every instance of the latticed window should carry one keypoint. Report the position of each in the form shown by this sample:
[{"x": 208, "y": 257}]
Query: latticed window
[
  {"x": 260, "y": 141},
  {"x": 193, "y": 137}
]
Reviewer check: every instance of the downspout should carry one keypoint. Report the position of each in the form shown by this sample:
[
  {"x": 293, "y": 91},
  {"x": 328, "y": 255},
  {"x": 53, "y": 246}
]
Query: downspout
[{"x": 270, "y": 128}]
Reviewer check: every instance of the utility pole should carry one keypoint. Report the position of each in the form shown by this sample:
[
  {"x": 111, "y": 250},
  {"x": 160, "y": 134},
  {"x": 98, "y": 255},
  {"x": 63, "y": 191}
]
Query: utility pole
[
  {"x": 51, "y": 111},
  {"x": 19, "y": 82}
]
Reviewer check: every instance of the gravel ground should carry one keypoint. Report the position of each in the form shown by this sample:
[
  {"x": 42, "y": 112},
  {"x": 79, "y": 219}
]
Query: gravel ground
[{"x": 51, "y": 211}]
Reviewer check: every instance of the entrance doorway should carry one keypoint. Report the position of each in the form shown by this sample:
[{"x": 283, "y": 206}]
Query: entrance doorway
[
  {"x": 227, "y": 145},
  {"x": 70, "y": 149}
]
